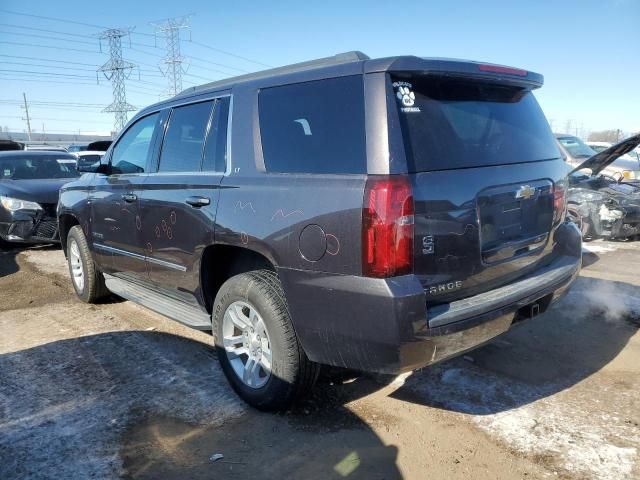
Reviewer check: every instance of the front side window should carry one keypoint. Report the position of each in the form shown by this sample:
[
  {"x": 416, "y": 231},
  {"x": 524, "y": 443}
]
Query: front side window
[
  {"x": 132, "y": 150},
  {"x": 314, "y": 127},
  {"x": 183, "y": 142}
]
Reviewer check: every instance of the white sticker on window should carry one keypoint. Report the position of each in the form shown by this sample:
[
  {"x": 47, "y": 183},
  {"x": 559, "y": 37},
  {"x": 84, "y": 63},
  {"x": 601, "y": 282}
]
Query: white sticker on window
[
  {"x": 305, "y": 125},
  {"x": 404, "y": 93}
]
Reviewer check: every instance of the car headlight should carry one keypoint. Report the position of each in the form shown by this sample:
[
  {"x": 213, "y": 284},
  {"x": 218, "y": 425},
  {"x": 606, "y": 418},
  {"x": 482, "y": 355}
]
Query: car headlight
[
  {"x": 630, "y": 174},
  {"x": 14, "y": 204}
]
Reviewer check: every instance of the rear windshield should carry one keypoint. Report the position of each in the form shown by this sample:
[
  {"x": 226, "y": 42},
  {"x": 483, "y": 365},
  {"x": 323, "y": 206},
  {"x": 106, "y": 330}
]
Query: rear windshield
[
  {"x": 26, "y": 167},
  {"x": 449, "y": 123}
]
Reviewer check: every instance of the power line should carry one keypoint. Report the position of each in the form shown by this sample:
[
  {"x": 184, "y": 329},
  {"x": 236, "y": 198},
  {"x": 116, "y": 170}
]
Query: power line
[
  {"x": 51, "y": 18},
  {"x": 49, "y": 102},
  {"x": 66, "y": 49},
  {"x": 230, "y": 54},
  {"x": 25, "y": 64},
  {"x": 27, "y": 79},
  {"x": 73, "y": 68},
  {"x": 40, "y": 59},
  {"x": 46, "y": 73},
  {"x": 46, "y": 37},
  {"x": 102, "y": 27},
  {"x": 45, "y": 30}
]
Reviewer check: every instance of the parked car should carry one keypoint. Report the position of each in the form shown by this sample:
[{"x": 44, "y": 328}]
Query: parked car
[
  {"x": 74, "y": 148},
  {"x": 88, "y": 160},
  {"x": 44, "y": 147},
  {"x": 599, "y": 205},
  {"x": 29, "y": 187},
  {"x": 10, "y": 145},
  {"x": 100, "y": 145},
  {"x": 576, "y": 152},
  {"x": 633, "y": 157},
  {"x": 379, "y": 215}
]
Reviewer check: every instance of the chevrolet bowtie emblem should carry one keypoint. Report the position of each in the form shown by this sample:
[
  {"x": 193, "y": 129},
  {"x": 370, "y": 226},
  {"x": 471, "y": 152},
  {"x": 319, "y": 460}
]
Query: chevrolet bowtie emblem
[{"x": 526, "y": 192}]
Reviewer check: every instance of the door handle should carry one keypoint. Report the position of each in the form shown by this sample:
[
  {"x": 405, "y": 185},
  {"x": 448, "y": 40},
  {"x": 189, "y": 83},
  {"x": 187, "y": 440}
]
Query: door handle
[
  {"x": 198, "y": 202},
  {"x": 129, "y": 197}
]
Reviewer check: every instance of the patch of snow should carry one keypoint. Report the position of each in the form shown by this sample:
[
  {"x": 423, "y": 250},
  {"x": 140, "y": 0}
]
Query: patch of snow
[
  {"x": 591, "y": 248},
  {"x": 571, "y": 419},
  {"x": 551, "y": 428}
]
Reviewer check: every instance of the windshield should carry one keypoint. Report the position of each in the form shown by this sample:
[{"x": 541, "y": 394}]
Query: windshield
[
  {"x": 456, "y": 123},
  {"x": 25, "y": 167},
  {"x": 597, "y": 148},
  {"x": 576, "y": 147},
  {"x": 76, "y": 148}
]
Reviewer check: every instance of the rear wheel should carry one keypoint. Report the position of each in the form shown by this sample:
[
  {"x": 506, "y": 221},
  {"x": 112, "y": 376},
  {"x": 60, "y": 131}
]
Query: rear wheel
[
  {"x": 574, "y": 216},
  {"x": 87, "y": 281},
  {"x": 256, "y": 344}
]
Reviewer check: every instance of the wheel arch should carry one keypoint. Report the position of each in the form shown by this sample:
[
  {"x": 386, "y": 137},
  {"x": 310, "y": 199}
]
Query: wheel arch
[
  {"x": 65, "y": 222},
  {"x": 220, "y": 262}
]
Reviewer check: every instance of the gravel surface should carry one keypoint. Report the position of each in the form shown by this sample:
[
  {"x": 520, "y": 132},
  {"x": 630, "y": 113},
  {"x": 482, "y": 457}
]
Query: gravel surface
[{"x": 114, "y": 390}]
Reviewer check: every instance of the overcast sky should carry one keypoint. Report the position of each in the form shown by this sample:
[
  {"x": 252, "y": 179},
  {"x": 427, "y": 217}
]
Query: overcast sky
[{"x": 587, "y": 50}]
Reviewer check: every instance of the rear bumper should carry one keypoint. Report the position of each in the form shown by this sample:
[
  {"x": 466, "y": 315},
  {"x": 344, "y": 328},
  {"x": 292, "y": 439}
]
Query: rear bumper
[{"x": 383, "y": 325}]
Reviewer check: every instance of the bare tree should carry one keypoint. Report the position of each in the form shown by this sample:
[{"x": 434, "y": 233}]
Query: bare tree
[{"x": 611, "y": 136}]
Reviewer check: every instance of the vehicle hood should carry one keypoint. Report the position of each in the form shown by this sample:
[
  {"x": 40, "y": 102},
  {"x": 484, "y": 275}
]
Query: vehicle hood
[
  {"x": 40, "y": 190},
  {"x": 600, "y": 161}
]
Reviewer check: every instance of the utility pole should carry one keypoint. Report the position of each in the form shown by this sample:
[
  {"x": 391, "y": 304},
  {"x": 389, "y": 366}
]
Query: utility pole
[
  {"x": 26, "y": 111},
  {"x": 117, "y": 71},
  {"x": 171, "y": 65}
]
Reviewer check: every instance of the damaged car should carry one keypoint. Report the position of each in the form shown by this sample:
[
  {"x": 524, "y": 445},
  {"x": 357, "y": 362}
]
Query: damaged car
[
  {"x": 29, "y": 189},
  {"x": 602, "y": 205}
]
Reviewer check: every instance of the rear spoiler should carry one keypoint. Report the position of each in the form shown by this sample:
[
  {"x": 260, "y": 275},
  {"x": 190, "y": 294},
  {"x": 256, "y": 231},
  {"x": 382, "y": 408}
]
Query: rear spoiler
[
  {"x": 602, "y": 160},
  {"x": 458, "y": 68}
]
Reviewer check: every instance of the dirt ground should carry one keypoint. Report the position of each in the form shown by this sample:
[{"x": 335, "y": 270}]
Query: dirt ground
[{"x": 114, "y": 390}]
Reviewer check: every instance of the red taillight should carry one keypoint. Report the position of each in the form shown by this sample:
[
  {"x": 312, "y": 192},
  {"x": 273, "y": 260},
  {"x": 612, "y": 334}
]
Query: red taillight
[
  {"x": 501, "y": 69},
  {"x": 559, "y": 202},
  {"x": 387, "y": 227}
]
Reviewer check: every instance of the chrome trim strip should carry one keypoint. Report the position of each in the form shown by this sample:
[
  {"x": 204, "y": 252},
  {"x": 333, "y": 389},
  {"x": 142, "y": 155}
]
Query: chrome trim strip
[
  {"x": 157, "y": 261},
  {"x": 164, "y": 263},
  {"x": 107, "y": 248}
]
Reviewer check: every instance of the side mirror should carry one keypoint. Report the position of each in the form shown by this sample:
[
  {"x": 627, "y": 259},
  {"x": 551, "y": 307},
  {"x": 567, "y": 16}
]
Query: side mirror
[
  {"x": 95, "y": 167},
  {"x": 103, "y": 169}
]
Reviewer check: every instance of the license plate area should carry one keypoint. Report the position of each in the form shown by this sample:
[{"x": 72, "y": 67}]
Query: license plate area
[{"x": 514, "y": 219}]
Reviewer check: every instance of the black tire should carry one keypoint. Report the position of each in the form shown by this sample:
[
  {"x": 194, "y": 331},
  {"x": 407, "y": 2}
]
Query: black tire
[
  {"x": 4, "y": 245},
  {"x": 94, "y": 288},
  {"x": 581, "y": 222},
  {"x": 292, "y": 373}
]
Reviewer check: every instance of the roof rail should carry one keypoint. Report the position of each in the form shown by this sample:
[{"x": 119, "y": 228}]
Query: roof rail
[{"x": 338, "y": 59}]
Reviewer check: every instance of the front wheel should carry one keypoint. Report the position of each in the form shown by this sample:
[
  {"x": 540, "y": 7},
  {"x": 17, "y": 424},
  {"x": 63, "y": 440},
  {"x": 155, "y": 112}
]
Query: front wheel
[
  {"x": 87, "y": 281},
  {"x": 256, "y": 344}
]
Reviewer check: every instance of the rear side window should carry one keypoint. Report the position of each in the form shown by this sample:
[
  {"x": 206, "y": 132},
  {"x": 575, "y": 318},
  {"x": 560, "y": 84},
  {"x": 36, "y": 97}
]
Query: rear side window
[
  {"x": 448, "y": 123},
  {"x": 314, "y": 127},
  {"x": 184, "y": 140}
]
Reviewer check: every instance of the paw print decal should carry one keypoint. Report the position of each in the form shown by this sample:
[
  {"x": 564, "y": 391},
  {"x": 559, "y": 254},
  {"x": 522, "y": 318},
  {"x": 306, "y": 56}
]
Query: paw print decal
[{"x": 407, "y": 97}]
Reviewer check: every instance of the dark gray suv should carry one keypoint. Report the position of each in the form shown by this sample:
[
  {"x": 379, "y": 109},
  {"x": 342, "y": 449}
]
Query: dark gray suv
[{"x": 379, "y": 215}]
